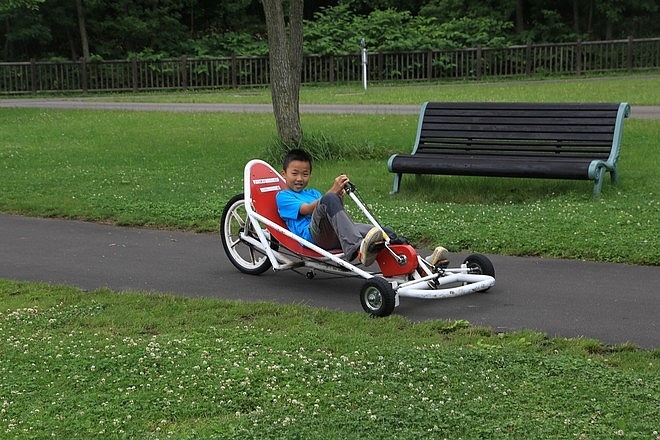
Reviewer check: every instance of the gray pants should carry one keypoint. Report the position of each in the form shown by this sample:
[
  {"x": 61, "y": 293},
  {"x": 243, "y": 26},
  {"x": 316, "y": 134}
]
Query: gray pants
[{"x": 332, "y": 228}]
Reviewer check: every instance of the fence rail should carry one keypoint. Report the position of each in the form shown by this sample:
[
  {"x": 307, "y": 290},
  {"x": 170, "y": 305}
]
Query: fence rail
[{"x": 236, "y": 71}]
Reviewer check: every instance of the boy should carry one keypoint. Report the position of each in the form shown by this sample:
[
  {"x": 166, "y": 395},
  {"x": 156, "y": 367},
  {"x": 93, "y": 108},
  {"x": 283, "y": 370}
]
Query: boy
[{"x": 321, "y": 219}]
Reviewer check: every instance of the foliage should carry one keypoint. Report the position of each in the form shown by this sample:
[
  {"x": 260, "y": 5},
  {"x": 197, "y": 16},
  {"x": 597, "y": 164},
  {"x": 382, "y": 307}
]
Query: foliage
[
  {"x": 228, "y": 43},
  {"x": 338, "y": 30},
  {"x": 40, "y": 30},
  {"x": 323, "y": 148},
  {"x": 6, "y": 5},
  {"x": 103, "y": 364}
]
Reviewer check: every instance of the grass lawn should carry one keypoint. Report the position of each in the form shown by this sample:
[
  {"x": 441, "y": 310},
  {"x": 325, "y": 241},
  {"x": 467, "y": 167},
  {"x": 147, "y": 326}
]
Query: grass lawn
[
  {"x": 103, "y": 364},
  {"x": 177, "y": 170},
  {"x": 100, "y": 364},
  {"x": 637, "y": 89}
]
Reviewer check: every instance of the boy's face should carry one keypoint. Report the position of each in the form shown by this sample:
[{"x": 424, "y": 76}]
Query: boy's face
[{"x": 297, "y": 175}]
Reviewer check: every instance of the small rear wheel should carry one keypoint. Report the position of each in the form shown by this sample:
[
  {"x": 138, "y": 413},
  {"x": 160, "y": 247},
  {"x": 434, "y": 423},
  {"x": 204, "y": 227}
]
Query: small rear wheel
[
  {"x": 480, "y": 264},
  {"x": 378, "y": 297},
  {"x": 244, "y": 256}
]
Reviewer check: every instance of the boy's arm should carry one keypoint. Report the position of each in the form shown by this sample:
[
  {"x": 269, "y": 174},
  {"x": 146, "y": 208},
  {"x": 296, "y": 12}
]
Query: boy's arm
[
  {"x": 308, "y": 208},
  {"x": 291, "y": 207},
  {"x": 337, "y": 187}
]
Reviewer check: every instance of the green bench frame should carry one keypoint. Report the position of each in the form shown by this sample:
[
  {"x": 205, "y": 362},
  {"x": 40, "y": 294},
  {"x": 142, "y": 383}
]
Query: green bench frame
[{"x": 533, "y": 140}]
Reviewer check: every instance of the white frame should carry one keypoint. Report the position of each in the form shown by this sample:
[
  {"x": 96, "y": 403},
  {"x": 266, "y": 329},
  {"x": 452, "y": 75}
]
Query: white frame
[{"x": 454, "y": 281}]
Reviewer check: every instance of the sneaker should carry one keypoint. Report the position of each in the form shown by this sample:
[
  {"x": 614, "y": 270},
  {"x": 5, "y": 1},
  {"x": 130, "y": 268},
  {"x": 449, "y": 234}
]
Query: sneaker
[
  {"x": 370, "y": 246},
  {"x": 439, "y": 257}
]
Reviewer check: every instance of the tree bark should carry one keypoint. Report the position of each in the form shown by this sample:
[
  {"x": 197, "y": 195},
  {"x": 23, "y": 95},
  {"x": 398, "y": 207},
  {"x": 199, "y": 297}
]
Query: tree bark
[
  {"x": 285, "y": 47},
  {"x": 83, "y": 29},
  {"x": 520, "y": 17}
]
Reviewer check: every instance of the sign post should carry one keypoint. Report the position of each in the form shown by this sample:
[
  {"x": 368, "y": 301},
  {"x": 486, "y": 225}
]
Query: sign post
[{"x": 364, "y": 64}]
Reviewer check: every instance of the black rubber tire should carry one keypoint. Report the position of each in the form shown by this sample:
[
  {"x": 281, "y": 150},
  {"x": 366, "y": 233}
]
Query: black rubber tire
[
  {"x": 243, "y": 256},
  {"x": 378, "y": 297},
  {"x": 481, "y": 265}
]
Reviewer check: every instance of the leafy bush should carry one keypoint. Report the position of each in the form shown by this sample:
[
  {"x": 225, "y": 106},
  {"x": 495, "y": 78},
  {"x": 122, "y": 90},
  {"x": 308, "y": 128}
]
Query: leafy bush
[
  {"x": 338, "y": 30},
  {"x": 323, "y": 148}
]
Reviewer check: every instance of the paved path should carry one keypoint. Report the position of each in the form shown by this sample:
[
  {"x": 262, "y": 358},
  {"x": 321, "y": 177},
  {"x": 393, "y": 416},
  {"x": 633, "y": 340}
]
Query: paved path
[
  {"x": 640, "y": 112},
  {"x": 613, "y": 303}
]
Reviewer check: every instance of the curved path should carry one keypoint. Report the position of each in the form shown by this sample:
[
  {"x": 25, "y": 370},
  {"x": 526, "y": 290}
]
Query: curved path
[
  {"x": 614, "y": 303},
  {"x": 640, "y": 112}
]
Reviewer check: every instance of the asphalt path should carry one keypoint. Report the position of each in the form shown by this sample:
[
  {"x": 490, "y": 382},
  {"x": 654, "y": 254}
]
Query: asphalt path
[
  {"x": 613, "y": 303},
  {"x": 637, "y": 112}
]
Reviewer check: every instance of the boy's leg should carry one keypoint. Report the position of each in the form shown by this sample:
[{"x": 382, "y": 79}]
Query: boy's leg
[{"x": 331, "y": 227}]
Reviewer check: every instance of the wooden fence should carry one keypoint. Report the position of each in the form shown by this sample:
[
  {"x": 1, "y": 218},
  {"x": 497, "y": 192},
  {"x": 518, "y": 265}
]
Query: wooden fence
[{"x": 236, "y": 71}]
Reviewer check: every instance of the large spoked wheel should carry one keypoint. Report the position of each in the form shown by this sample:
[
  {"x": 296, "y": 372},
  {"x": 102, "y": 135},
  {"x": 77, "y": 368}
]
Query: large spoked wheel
[
  {"x": 378, "y": 297},
  {"x": 244, "y": 256},
  {"x": 480, "y": 265}
]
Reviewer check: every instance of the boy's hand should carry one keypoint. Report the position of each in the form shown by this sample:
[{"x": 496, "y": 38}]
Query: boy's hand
[{"x": 338, "y": 184}]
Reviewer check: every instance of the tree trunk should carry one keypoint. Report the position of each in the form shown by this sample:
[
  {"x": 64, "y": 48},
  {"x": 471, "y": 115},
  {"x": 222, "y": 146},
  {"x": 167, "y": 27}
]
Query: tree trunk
[
  {"x": 285, "y": 47},
  {"x": 520, "y": 16},
  {"x": 5, "y": 49},
  {"x": 590, "y": 18},
  {"x": 83, "y": 29}
]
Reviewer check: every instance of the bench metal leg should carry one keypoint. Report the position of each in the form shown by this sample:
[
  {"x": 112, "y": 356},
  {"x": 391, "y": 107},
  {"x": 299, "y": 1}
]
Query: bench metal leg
[
  {"x": 598, "y": 182},
  {"x": 397, "y": 183},
  {"x": 614, "y": 176}
]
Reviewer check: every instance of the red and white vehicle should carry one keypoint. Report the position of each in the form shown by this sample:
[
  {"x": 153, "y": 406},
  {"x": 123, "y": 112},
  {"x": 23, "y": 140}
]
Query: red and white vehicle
[{"x": 256, "y": 239}]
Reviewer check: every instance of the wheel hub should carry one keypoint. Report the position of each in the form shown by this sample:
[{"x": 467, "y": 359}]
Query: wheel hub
[{"x": 374, "y": 299}]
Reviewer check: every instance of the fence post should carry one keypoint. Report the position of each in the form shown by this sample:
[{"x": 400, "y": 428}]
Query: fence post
[
  {"x": 630, "y": 52},
  {"x": 83, "y": 68},
  {"x": 429, "y": 65},
  {"x": 234, "y": 67},
  {"x": 578, "y": 65},
  {"x": 184, "y": 72},
  {"x": 134, "y": 74},
  {"x": 381, "y": 65},
  {"x": 331, "y": 68},
  {"x": 478, "y": 62},
  {"x": 33, "y": 75},
  {"x": 528, "y": 59}
]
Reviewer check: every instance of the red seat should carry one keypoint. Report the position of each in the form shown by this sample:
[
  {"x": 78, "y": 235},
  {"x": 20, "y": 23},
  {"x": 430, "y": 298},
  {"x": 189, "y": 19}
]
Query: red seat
[{"x": 265, "y": 183}]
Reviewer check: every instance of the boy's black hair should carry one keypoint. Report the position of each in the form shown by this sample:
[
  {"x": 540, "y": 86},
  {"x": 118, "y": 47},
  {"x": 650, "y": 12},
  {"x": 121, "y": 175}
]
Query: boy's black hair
[{"x": 296, "y": 154}]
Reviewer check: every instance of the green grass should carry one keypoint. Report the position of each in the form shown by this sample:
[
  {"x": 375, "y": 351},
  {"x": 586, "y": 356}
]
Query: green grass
[
  {"x": 177, "y": 170},
  {"x": 105, "y": 364},
  {"x": 100, "y": 364},
  {"x": 637, "y": 90}
]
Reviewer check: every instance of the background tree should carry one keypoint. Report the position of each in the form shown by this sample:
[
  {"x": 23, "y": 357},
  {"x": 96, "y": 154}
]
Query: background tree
[
  {"x": 285, "y": 48},
  {"x": 6, "y": 5},
  {"x": 83, "y": 29},
  {"x": 119, "y": 29}
]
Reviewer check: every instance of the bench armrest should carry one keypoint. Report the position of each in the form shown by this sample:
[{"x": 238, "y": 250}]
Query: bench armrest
[{"x": 624, "y": 112}]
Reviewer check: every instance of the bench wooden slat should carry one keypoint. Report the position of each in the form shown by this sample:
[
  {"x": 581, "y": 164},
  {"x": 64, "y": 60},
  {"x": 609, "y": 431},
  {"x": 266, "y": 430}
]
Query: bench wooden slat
[
  {"x": 500, "y": 150},
  {"x": 566, "y": 137},
  {"x": 524, "y": 119},
  {"x": 438, "y": 122},
  {"x": 548, "y": 140},
  {"x": 521, "y": 106},
  {"x": 500, "y": 166}
]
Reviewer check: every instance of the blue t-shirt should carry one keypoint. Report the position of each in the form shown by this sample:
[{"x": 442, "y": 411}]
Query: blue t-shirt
[{"x": 288, "y": 206}]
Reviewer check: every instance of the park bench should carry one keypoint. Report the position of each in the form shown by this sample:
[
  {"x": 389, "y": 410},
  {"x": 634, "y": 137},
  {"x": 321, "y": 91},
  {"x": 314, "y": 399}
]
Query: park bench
[{"x": 533, "y": 140}]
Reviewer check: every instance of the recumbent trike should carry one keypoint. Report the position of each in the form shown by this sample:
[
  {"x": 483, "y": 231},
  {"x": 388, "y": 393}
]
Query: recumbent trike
[{"x": 255, "y": 239}]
